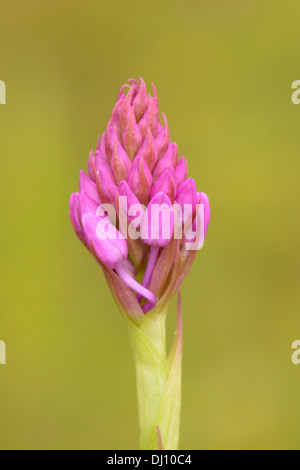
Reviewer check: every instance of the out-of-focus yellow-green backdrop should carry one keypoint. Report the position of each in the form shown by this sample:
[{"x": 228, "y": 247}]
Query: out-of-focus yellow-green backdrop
[{"x": 223, "y": 71}]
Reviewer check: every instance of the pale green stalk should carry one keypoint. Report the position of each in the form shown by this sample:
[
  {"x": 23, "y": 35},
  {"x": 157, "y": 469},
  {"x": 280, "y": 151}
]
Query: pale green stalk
[{"x": 158, "y": 380}]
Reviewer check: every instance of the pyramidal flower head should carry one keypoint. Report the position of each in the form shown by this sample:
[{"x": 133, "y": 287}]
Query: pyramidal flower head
[{"x": 136, "y": 206}]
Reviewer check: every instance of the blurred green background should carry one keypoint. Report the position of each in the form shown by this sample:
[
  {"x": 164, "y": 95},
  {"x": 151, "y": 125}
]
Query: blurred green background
[{"x": 223, "y": 71}]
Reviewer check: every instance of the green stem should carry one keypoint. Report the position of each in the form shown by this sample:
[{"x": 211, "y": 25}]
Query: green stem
[{"x": 158, "y": 380}]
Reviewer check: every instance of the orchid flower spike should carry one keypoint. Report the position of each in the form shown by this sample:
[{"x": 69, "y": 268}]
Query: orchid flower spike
[{"x": 136, "y": 160}]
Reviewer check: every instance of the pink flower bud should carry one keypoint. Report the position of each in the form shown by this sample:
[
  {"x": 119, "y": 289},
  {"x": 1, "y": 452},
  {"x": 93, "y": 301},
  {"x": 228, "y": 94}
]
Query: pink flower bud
[
  {"x": 166, "y": 184},
  {"x": 187, "y": 193},
  {"x": 148, "y": 151},
  {"x": 148, "y": 121},
  {"x": 132, "y": 137},
  {"x": 87, "y": 204},
  {"x": 163, "y": 139},
  {"x": 90, "y": 188},
  {"x": 104, "y": 240},
  {"x": 181, "y": 171},
  {"x": 120, "y": 163},
  {"x": 169, "y": 159},
  {"x": 110, "y": 137},
  {"x": 132, "y": 200},
  {"x": 101, "y": 146},
  {"x": 125, "y": 108},
  {"x": 102, "y": 164},
  {"x": 140, "y": 101},
  {"x": 140, "y": 180},
  {"x": 107, "y": 189},
  {"x": 114, "y": 122}
]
